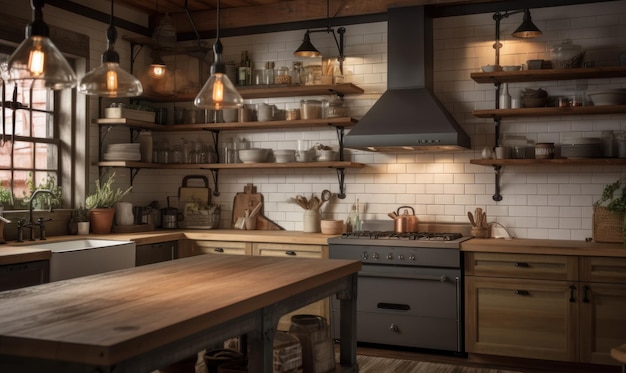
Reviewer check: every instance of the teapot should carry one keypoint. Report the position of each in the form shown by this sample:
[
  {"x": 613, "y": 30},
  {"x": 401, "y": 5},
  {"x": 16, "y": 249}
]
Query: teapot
[{"x": 405, "y": 223}]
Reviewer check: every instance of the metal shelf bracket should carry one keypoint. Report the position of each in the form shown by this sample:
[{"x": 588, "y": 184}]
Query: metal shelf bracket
[{"x": 497, "y": 196}]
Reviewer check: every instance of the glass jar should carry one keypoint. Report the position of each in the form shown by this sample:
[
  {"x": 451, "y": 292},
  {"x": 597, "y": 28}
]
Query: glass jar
[
  {"x": 282, "y": 76},
  {"x": 567, "y": 55}
]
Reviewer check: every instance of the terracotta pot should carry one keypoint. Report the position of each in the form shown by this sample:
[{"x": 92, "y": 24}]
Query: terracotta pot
[{"x": 101, "y": 220}]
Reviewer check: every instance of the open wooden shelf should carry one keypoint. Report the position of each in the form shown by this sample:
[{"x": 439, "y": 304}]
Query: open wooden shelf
[
  {"x": 555, "y": 161},
  {"x": 549, "y": 74},
  {"x": 228, "y": 166},
  {"x": 549, "y": 111},
  {"x": 232, "y": 126}
]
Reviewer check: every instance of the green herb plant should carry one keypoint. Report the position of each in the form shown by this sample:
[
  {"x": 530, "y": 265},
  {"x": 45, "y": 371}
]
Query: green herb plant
[
  {"x": 613, "y": 197},
  {"x": 44, "y": 200},
  {"x": 105, "y": 196}
]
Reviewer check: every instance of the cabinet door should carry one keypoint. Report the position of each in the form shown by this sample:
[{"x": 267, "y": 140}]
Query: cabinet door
[
  {"x": 221, "y": 247},
  {"x": 540, "y": 267},
  {"x": 19, "y": 275},
  {"x": 603, "y": 269},
  {"x": 521, "y": 318},
  {"x": 603, "y": 320},
  {"x": 321, "y": 307},
  {"x": 155, "y": 253}
]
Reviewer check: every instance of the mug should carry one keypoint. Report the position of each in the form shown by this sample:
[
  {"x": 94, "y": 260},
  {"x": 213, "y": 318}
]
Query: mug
[{"x": 265, "y": 112}]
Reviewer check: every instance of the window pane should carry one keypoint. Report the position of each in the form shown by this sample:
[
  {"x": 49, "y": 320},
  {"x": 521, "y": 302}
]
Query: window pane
[
  {"x": 46, "y": 156},
  {"x": 5, "y": 155},
  {"x": 20, "y": 184},
  {"x": 23, "y": 155}
]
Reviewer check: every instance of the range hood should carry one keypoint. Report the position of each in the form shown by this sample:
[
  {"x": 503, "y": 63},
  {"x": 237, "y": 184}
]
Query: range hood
[{"x": 408, "y": 117}]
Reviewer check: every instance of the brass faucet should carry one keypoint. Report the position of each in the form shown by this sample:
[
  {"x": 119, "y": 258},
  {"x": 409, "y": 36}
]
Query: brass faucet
[{"x": 31, "y": 223}]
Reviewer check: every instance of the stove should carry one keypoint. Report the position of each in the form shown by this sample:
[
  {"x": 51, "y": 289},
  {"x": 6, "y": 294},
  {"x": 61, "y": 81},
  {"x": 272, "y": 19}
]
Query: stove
[{"x": 410, "y": 285}]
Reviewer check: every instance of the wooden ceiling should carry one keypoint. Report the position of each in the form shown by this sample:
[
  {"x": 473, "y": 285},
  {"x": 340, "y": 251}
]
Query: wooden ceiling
[{"x": 253, "y": 13}]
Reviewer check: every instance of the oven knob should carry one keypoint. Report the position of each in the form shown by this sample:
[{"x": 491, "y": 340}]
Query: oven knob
[
  {"x": 394, "y": 328},
  {"x": 401, "y": 257},
  {"x": 412, "y": 257},
  {"x": 364, "y": 255},
  {"x": 390, "y": 256},
  {"x": 375, "y": 256}
]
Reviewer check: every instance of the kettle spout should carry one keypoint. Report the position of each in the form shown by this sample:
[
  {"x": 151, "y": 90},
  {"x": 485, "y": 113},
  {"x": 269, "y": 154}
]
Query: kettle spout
[{"x": 392, "y": 215}]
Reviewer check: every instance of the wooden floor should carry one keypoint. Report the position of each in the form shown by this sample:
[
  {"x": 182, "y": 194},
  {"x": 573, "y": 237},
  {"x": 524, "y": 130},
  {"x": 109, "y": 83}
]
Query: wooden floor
[{"x": 525, "y": 365}]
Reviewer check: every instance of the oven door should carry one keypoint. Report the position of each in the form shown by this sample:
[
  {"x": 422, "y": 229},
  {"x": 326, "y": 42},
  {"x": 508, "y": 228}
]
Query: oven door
[{"x": 408, "y": 306}]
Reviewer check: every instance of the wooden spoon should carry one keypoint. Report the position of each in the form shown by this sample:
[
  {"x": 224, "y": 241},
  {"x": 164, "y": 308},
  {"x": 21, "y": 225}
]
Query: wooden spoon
[{"x": 471, "y": 218}]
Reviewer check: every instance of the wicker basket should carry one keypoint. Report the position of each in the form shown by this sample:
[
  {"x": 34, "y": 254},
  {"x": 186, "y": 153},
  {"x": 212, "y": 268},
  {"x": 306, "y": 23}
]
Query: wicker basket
[{"x": 607, "y": 226}]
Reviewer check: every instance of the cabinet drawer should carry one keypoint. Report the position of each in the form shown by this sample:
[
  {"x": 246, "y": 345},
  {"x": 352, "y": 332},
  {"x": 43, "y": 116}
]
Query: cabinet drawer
[
  {"x": 603, "y": 269},
  {"x": 291, "y": 250},
  {"x": 221, "y": 247},
  {"x": 545, "y": 267}
]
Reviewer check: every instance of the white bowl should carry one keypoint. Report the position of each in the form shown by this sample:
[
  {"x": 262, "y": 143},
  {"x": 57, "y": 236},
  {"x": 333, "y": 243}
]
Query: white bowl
[
  {"x": 285, "y": 155},
  {"x": 609, "y": 97},
  {"x": 490, "y": 68},
  {"x": 255, "y": 155},
  {"x": 512, "y": 68}
]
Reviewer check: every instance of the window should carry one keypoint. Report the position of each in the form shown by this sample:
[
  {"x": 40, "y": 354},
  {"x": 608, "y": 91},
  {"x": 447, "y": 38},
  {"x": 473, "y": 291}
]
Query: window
[{"x": 29, "y": 146}]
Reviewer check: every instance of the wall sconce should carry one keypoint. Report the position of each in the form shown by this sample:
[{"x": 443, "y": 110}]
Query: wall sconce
[
  {"x": 37, "y": 58},
  {"x": 307, "y": 49},
  {"x": 526, "y": 30},
  {"x": 109, "y": 79},
  {"x": 218, "y": 92}
]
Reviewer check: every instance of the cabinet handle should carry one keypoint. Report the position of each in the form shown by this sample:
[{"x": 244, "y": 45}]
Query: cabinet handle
[
  {"x": 219, "y": 250},
  {"x": 522, "y": 264},
  {"x": 522, "y": 292},
  {"x": 585, "y": 295},
  {"x": 572, "y": 289},
  {"x": 290, "y": 252}
]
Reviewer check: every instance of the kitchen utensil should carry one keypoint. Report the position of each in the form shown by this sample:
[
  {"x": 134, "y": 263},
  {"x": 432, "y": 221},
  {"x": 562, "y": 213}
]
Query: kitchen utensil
[
  {"x": 326, "y": 195},
  {"x": 405, "y": 223},
  {"x": 471, "y": 218}
]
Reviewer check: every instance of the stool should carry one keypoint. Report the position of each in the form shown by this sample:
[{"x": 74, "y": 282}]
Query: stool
[{"x": 619, "y": 354}]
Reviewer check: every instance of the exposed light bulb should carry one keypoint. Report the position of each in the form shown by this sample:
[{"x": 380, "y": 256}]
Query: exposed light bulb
[
  {"x": 218, "y": 89},
  {"x": 111, "y": 80},
  {"x": 157, "y": 71},
  {"x": 36, "y": 61}
]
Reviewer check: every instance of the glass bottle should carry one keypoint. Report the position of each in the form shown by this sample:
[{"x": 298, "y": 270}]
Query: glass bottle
[
  {"x": 505, "y": 97},
  {"x": 244, "y": 69},
  {"x": 268, "y": 73}
]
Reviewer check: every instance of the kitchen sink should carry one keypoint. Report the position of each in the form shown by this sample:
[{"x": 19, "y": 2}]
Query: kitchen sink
[{"x": 83, "y": 257}]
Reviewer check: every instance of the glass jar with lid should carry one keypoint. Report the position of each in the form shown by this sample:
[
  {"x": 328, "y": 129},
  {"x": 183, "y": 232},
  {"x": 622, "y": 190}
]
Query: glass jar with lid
[
  {"x": 282, "y": 76},
  {"x": 567, "y": 55}
]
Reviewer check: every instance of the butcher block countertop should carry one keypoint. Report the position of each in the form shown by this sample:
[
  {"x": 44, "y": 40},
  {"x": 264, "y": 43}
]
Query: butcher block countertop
[
  {"x": 553, "y": 247},
  {"x": 123, "y": 317}
]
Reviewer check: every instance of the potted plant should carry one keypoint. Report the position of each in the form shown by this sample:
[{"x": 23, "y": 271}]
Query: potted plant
[
  {"x": 82, "y": 219},
  {"x": 101, "y": 204},
  {"x": 609, "y": 213}
]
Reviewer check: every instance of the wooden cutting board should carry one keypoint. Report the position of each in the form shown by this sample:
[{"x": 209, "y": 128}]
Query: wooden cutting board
[{"x": 247, "y": 201}]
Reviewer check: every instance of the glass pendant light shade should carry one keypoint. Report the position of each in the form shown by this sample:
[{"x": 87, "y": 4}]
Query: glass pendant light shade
[
  {"x": 527, "y": 29},
  {"x": 110, "y": 80},
  {"x": 307, "y": 49},
  {"x": 218, "y": 93},
  {"x": 37, "y": 58}
]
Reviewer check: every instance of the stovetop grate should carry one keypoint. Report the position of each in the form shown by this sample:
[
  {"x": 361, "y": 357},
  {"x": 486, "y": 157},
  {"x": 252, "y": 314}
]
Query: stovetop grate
[{"x": 389, "y": 235}]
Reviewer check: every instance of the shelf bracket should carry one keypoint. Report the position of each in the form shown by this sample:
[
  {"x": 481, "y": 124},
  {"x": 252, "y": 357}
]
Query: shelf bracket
[
  {"x": 215, "y": 136},
  {"x": 341, "y": 176},
  {"x": 133, "y": 172},
  {"x": 214, "y": 174},
  {"x": 497, "y": 196},
  {"x": 340, "y": 135}
]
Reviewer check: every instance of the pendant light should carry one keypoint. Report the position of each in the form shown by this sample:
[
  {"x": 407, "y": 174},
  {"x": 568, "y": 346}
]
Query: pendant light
[
  {"x": 157, "y": 68},
  {"x": 38, "y": 59},
  {"x": 109, "y": 79},
  {"x": 525, "y": 31},
  {"x": 218, "y": 92}
]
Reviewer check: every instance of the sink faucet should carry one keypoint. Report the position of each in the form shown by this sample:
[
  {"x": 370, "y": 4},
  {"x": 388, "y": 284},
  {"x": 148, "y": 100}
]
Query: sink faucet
[{"x": 31, "y": 223}]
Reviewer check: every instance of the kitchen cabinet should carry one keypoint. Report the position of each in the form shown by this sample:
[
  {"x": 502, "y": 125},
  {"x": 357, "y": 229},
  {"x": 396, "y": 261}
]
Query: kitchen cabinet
[
  {"x": 321, "y": 307},
  {"x": 339, "y": 123},
  {"x": 19, "y": 275},
  {"x": 551, "y": 307},
  {"x": 156, "y": 252},
  {"x": 497, "y": 78},
  {"x": 200, "y": 247}
]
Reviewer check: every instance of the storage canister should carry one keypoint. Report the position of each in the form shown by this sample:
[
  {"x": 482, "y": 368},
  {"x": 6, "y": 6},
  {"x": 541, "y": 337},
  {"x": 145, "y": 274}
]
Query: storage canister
[
  {"x": 544, "y": 150},
  {"x": 310, "y": 109}
]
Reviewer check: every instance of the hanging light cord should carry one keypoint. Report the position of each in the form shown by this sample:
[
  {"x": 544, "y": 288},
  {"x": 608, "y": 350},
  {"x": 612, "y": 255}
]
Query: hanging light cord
[{"x": 110, "y": 55}]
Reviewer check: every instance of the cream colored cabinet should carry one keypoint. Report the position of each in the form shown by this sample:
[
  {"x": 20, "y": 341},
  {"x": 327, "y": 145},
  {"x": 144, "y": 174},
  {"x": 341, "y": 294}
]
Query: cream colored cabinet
[
  {"x": 548, "y": 307},
  {"x": 321, "y": 307},
  {"x": 198, "y": 247}
]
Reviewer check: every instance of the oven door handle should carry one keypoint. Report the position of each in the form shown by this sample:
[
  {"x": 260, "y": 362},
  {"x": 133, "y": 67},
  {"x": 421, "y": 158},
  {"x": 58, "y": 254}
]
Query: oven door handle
[{"x": 439, "y": 278}]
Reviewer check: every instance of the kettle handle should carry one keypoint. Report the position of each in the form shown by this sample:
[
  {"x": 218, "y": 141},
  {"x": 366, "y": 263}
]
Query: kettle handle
[{"x": 405, "y": 207}]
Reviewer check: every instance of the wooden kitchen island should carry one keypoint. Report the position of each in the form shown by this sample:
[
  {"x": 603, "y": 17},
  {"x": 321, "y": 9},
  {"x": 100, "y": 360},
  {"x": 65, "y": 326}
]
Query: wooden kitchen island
[{"x": 145, "y": 318}]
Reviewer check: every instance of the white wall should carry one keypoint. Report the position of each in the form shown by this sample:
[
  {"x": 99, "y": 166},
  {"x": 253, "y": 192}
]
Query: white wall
[{"x": 552, "y": 202}]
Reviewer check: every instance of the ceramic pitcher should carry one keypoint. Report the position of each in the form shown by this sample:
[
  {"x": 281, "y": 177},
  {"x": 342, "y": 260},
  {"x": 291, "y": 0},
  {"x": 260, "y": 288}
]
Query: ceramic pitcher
[{"x": 265, "y": 112}]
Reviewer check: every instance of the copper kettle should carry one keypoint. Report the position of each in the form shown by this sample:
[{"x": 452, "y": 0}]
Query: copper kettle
[{"x": 405, "y": 223}]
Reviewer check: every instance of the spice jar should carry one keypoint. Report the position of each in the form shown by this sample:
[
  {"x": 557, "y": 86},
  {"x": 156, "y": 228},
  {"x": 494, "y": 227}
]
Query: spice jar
[{"x": 544, "y": 150}]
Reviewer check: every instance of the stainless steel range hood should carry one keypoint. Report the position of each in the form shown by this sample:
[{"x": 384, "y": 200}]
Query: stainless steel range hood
[{"x": 408, "y": 117}]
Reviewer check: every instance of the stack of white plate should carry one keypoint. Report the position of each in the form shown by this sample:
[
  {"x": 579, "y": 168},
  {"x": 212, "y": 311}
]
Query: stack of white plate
[
  {"x": 581, "y": 147},
  {"x": 123, "y": 152}
]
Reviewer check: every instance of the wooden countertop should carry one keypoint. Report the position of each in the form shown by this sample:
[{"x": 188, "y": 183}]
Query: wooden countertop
[
  {"x": 553, "y": 247},
  {"x": 112, "y": 317},
  {"x": 19, "y": 252}
]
